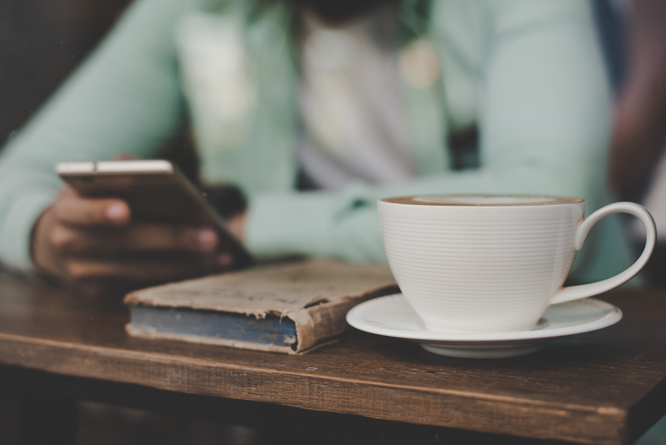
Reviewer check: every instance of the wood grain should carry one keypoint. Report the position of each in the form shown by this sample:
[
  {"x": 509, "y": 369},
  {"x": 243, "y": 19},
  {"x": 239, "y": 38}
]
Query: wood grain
[{"x": 605, "y": 387}]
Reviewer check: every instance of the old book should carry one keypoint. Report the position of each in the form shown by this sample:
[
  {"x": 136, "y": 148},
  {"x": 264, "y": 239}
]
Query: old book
[{"x": 288, "y": 307}]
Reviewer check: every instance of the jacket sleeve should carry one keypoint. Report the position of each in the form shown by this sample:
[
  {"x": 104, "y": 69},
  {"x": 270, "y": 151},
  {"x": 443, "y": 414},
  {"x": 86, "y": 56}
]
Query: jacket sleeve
[
  {"x": 124, "y": 99},
  {"x": 544, "y": 121}
]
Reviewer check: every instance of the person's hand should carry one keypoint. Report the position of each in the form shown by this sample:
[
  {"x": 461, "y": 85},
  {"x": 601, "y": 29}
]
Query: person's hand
[
  {"x": 236, "y": 225},
  {"x": 95, "y": 243}
]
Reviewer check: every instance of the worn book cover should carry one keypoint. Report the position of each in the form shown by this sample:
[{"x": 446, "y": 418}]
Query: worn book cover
[{"x": 287, "y": 307}]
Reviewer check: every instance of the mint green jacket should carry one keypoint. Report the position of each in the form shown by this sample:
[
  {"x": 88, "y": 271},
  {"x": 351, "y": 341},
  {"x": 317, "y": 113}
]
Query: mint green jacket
[{"x": 528, "y": 72}]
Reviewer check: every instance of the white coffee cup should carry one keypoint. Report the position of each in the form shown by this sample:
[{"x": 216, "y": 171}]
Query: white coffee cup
[{"x": 493, "y": 263}]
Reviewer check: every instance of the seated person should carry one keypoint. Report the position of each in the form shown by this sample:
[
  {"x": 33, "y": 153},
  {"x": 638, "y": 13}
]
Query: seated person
[{"x": 363, "y": 98}]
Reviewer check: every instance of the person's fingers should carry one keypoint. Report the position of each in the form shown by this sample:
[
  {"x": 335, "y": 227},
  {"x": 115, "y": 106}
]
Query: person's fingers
[
  {"x": 236, "y": 225},
  {"x": 144, "y": 270},
  {"x": 137, "y": 237},
  {"x": 70, "y": 208}
]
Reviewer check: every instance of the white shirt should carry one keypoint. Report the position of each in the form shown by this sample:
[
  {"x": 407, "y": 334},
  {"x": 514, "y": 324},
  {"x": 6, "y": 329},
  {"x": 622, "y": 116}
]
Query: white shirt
[{"x": 354, "y": 123}]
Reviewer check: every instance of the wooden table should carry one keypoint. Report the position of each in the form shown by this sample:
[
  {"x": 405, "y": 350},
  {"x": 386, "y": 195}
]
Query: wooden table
[{"x": 605, "y": 387}]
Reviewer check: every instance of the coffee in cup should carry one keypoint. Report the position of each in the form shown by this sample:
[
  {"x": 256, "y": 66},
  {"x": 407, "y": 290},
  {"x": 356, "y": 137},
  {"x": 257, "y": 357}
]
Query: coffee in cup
[{"x": 493, "y": 263}]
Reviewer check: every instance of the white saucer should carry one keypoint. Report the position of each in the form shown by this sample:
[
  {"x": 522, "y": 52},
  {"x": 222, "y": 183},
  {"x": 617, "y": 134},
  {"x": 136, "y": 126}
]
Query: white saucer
[{"x": 392, "y": 316}]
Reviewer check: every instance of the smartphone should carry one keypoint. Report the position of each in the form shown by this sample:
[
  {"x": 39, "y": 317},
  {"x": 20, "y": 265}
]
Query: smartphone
[{"x": 156, "y": 191}]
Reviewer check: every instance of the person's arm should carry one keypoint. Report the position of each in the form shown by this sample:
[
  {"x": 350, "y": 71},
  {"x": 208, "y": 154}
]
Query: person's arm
[
  {"x": 124, "y": 99},
  {"x": 544, "y": 126},
  {"x": 639, "y": 130}
]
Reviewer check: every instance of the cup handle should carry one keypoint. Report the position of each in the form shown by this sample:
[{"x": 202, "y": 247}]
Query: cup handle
[{"x": 587, "y": 290}]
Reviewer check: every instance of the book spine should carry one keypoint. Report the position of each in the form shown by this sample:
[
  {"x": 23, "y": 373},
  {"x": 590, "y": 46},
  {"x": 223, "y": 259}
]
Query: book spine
[{"x": 324, "y": 322}]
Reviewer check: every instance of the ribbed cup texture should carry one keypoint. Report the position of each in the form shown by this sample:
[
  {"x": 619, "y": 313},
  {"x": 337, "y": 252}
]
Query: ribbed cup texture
[{"x": 479, "y": 275}]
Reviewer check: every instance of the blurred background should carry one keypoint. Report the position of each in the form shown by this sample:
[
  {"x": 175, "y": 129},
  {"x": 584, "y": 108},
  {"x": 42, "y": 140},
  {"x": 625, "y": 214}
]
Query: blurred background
[{"x": 41, "y": 42}]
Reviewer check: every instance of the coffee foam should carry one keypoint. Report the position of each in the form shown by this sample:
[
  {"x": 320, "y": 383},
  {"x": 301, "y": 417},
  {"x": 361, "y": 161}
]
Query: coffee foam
[{"x": 483, "y": 200}]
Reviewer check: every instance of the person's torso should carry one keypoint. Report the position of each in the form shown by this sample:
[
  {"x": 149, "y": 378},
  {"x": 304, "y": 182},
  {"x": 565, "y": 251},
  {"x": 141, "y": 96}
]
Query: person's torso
[{"x": 376, "y": 105}]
